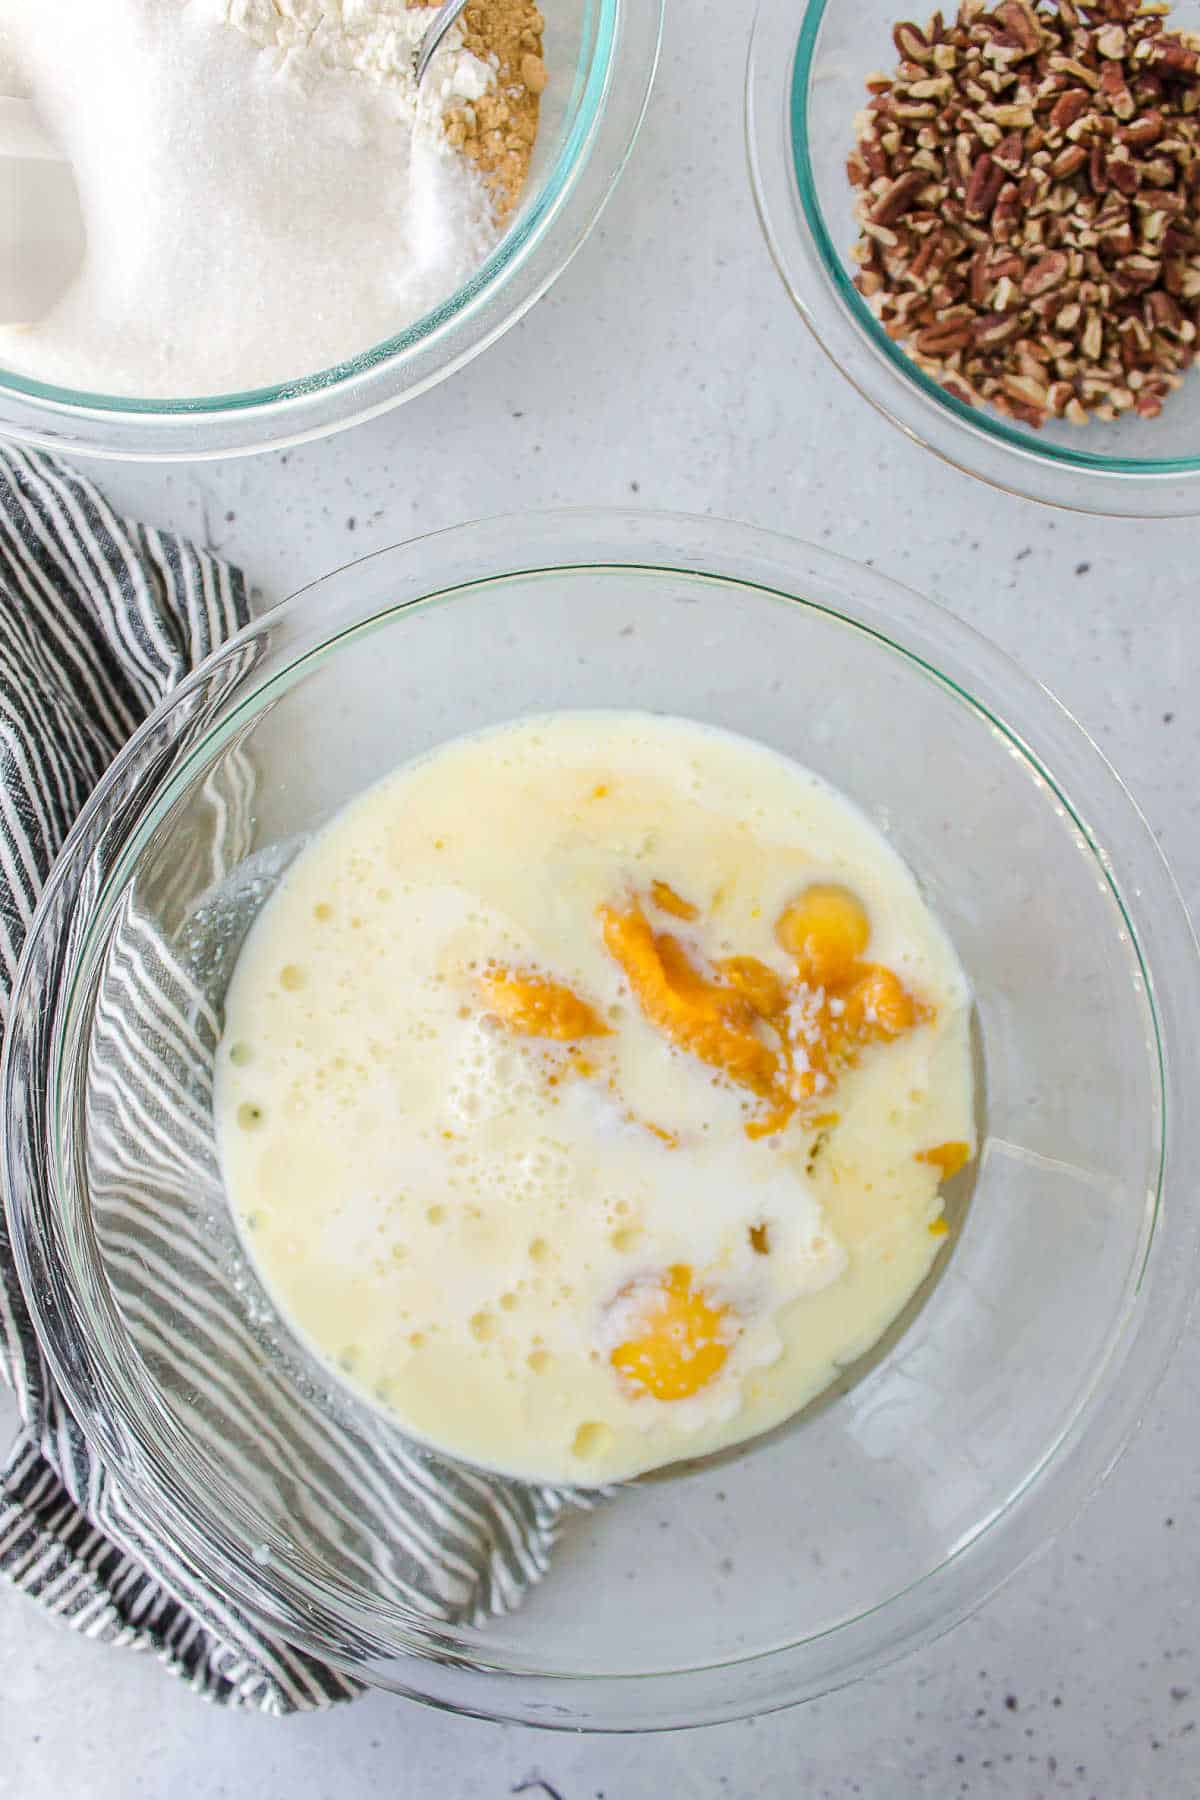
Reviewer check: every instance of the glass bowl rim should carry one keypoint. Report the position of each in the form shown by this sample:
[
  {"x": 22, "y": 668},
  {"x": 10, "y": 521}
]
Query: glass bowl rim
[
  {"x": 609, "y": 102},
  {"x": 770, "y": 567},
  {"x": 895, "y": 386}
]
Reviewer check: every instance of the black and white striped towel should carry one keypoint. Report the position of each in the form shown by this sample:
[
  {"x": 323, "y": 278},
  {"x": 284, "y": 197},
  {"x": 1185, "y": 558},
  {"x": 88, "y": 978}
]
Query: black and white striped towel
[{"x": 99, "y": 618}]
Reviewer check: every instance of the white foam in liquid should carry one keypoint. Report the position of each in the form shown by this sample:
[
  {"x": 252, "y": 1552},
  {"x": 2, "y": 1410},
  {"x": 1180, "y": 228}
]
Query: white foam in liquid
[{"x": 467, "y": 1221}]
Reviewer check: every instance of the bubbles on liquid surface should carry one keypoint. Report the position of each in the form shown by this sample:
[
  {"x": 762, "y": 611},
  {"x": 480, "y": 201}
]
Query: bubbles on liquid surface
[{"x": 592, "y": 1439}]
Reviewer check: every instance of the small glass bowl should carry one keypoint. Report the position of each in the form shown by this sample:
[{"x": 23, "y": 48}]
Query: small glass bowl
[
  {"x": 601, "y": 56},
  {"x": 932, "y": 1469},
  {"x": 805, "y": 82}
]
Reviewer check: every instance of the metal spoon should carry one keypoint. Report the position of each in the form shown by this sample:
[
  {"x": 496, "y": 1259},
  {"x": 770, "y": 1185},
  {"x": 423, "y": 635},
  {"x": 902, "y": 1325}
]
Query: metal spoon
[{"x": 435, "y": 31}]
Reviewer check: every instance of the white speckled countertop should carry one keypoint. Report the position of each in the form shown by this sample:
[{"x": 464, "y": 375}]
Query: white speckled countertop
[{"x": 1083, "y": 1676}]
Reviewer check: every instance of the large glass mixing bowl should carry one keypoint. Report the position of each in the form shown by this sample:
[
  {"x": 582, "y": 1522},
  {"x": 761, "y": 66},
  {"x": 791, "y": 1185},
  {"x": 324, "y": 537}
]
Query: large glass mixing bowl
[
  {"x": 600, "y": 56},
  {"x": 899, "y": 1502}
]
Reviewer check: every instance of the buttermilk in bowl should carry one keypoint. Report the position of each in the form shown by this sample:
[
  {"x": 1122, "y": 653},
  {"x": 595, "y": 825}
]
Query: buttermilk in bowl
[{"x": 586, "y": 1091}]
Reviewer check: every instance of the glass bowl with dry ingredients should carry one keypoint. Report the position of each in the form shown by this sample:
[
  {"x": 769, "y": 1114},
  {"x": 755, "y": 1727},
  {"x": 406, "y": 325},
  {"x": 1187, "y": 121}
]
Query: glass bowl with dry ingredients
[
  {"x": 262, "y": 229},
  {"x": 990, "y": 219}
]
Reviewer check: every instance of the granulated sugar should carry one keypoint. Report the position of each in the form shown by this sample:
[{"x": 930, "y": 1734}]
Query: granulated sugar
[{"x": 265, "y": 192}]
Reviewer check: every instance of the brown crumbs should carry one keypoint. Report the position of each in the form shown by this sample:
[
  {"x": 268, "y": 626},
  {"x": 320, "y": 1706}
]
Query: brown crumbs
[{"x": 498, "y": 130}]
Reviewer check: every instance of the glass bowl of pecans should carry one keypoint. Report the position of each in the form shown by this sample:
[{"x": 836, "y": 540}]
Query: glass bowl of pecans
[{"x": 990, "y": 219}]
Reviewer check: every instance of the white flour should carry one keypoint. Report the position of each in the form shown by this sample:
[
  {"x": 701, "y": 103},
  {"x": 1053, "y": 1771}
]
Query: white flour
[{"x": 264, "y": 191}]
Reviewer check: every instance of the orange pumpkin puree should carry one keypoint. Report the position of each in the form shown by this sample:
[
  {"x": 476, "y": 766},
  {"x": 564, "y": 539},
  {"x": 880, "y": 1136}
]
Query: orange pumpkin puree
[
  {"x": 538, "y": 1007},
  {"x": 833, "y": 1008},
  {"x": 785, "y": 1042},
  {"x": 948, "y": 1159}
]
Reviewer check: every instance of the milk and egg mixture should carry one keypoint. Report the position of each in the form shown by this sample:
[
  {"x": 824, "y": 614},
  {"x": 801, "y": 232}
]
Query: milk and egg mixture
[{"x": 586, "y": 1089}]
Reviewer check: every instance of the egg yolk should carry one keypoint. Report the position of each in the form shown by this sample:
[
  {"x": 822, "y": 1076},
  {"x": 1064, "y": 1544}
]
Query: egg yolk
[
  {"x": 539, "y": 1007},
  {"x": 826, "y": 930},
  {"x": 680, "y": 1343},
  {"x": 947, "y": 1159}
]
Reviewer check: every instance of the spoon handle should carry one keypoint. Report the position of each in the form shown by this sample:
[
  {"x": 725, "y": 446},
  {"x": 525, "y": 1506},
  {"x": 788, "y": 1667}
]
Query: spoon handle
[{"x": 435, "y": 32}]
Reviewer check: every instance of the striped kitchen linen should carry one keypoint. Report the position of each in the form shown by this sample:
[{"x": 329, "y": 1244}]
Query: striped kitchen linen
[{"x": 99, "y": 619}]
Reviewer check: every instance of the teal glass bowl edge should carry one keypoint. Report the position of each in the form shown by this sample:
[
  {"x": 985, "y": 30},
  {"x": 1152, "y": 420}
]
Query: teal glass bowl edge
[{"x": 585, "y": 104}]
